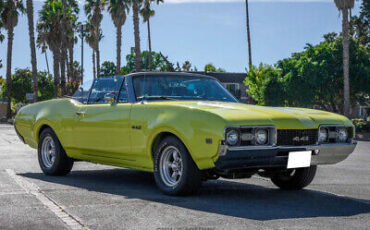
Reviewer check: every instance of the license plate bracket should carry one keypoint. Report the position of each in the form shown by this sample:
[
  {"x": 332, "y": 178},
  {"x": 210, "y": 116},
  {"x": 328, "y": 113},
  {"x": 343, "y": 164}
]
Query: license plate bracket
[{"x": 299, "y": 159}]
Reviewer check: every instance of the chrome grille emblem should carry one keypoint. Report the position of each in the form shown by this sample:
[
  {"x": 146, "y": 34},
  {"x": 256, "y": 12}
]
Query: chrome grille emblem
[{"x": 304, "y": 138}]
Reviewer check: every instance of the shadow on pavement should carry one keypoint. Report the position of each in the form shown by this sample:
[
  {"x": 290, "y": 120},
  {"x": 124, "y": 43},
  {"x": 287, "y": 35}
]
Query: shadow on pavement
[{"x": 220, "y": 197}]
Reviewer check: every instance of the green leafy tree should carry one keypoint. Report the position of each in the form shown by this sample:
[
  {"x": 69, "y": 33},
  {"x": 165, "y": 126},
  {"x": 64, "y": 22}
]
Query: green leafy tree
[
  {"x": 360, "y": 25},
  {"x": 211, "y": 68},
  {"x": 313, "y": 77},
  {"x": 160, "y": 62},
  {"x": 108, "y": 68}
]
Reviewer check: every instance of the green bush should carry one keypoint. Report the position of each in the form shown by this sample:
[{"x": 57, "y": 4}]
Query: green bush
[{"x": 361, "y": 125}]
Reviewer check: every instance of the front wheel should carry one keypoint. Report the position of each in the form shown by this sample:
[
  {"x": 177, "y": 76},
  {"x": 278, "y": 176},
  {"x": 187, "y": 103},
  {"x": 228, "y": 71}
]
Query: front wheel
[
  {"x": 294, "y": 179},
  {"x": 175, "y": 172},
  {"x": 52, "y": 158}
]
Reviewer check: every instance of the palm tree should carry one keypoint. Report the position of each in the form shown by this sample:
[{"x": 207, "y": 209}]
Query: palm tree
[
  {"x": 136, "y": 4},
  {"x": 71, "y": 28},
  {"x": 93, "y": 10},
  {"x": 249, "y": 35},
  {"x": 63, "y": 49},
  {"x": 118, "y": 10},
  {"x": 344, "y": 6},
  {"x": 146, "y": 12},
  {"x": 31, "y": 33},
  {"x": 92, "y": 39},
  {"x": 49, "y": 32},
  {"x": 9, "y": 19}
]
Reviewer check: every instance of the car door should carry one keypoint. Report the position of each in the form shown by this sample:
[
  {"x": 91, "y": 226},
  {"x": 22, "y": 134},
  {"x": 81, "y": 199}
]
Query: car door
[{"x": 103, "y": 128}]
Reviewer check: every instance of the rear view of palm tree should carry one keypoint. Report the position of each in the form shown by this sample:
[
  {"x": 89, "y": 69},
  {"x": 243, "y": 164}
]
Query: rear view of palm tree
[
  {"x": 136, "y": 4},
  {"x": 345, "y": 6},
  {"x": 9, "y": 18},
  {"x": 146, "y": 12},
  {"x": 31, "y": 33},
  {"x": 118, "y": 11},
  {"x": 93, "y": 10}
]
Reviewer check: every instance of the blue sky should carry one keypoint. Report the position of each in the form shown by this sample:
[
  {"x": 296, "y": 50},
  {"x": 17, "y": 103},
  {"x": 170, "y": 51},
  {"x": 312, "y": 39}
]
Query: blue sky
[{"x": 206, "y": 31}]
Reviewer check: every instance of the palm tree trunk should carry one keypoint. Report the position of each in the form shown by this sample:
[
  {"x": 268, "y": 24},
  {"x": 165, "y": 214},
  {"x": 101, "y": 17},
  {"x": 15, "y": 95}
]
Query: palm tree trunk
[
  {"x": 93, "y": 59},
  {"x": 63, "y": 50},
  {"x": 150, "y": 58},
  {"x": 47, "y": 62},
  {"x": 346, "y": 63},
  {"x": 71, "y": 72},
  {"x": 32, "y": 47},
  {"x": 119, "y": 37},
  {"x": 9, "y": 71},
  {"x": 249, "y": 35},
  {"x": 56, "y": 54},
  {"x": 97, "y": 60},
  {"x": 135, "y": 9},
  {"x": 69, "y": 80}
]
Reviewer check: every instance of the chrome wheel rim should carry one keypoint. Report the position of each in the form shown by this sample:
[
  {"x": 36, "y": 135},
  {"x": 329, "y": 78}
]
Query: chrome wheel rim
[
  {"x": 48, "y": 151},
  {"x": 171, "y": 166}
]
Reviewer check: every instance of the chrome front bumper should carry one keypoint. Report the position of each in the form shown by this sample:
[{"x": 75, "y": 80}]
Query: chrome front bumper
[{"x": 277, "y": 156}]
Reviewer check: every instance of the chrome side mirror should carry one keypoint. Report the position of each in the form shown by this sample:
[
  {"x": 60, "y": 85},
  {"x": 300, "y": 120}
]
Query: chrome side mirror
[{"x": 110, "y": 98}]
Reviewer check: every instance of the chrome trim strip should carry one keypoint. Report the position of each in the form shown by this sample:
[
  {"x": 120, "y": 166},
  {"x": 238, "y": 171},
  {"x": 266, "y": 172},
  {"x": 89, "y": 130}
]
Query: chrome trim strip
[{"x": 308, "y": 147}]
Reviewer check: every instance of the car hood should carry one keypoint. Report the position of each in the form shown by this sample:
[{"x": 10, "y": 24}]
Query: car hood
[{"x": 283, "y": 118}]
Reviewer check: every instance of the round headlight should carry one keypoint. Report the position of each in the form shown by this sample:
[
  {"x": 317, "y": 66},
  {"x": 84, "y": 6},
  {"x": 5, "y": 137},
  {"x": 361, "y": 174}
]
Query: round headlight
[
  {"x": 232, "y": 137},
  {"x": 342, "y": 134},
  {"x": 261, "y": 136},
  {"x": 323, "y": 135}
]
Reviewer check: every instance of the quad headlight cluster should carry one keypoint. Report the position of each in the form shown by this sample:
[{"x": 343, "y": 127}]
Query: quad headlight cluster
[
  {"x": 248, "y": 136},
  {"x": 334, "y": 134}
]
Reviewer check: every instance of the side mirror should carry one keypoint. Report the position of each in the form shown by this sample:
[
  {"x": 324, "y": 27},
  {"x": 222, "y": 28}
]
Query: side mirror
[{"x": 110, "y": 98}]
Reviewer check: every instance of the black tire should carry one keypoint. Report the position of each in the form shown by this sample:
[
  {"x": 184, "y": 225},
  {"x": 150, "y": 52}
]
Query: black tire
[
  {"x": 190, "y": 180},
  {"x": 294, "y": 180},
  {"x": 62, "y": 164}
]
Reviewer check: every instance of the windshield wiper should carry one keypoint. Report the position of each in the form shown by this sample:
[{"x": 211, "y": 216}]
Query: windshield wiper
[{"x": 156, "y": 97}]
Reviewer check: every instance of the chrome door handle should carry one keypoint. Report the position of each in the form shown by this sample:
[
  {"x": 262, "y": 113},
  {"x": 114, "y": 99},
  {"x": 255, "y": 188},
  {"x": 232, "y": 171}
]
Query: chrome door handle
[{"x": 80, "y": 113}]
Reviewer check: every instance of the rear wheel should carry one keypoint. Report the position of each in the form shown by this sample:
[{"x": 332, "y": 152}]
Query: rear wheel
[
  {"x": 294, "y": 179},
  {"x": 52, "y": 158},
  {"x": 175, "y": 172}
]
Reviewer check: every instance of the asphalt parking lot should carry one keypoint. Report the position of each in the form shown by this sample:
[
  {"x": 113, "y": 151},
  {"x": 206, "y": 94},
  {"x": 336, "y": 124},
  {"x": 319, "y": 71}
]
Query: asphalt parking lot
[{"x": 102, "y": 197}]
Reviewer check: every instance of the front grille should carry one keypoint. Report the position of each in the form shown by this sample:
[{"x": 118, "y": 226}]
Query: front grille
[{"x": 297, "y": 137}]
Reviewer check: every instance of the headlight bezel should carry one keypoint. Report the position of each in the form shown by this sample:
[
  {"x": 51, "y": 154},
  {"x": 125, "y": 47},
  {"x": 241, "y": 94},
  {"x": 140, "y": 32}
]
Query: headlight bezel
[
  {"x": 235, "y": 132},
  {"x": 332, "y": 134},
  {"x": 266, "y": 136},
  {"x": 247, "y": 135}
]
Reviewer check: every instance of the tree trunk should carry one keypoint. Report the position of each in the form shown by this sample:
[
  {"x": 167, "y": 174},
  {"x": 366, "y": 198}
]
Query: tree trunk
[
  {"x": 32, "y": 47},
  {"x": 93, "y": 59},
  {"x": 346, "y": 63},
  {"x": 47, "y": 62},
  {"x": 150, "y": 57},
  {"x": 9, "y": 71},
  {"x": 69, "y": 80},
  {"x": 119, "y": 37},
  {"x": 249, "y": 36},
  {"x": 135, "y": 9},
  {"x": 97, "y": 60},
  {"x": 63, "y": 50},
  {"x": 56, "y": 54},
  {"x": 71, "y": 74}
]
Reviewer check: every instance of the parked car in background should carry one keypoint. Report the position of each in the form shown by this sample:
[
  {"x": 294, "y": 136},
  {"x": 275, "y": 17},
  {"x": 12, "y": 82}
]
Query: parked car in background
[{"x": 185, "y": 128}]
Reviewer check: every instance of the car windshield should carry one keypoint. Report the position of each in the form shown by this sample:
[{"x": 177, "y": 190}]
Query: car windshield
[
  {"x": 180, "y": 88},
  {"x": 93, "y": 91}
]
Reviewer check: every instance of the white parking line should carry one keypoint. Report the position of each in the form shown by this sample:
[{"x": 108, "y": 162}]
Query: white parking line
[{"x": 72, "y": 222}]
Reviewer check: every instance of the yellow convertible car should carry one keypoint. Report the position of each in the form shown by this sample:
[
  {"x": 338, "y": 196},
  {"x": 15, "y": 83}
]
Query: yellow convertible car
[{"x": 186, "y": 128}]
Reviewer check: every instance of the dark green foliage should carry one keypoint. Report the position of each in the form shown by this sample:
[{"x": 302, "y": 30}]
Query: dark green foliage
[
  {"x": 313, "y": 77},
  {"x": 22, "y": 84},
  {"x": 108, "y": 68}
]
